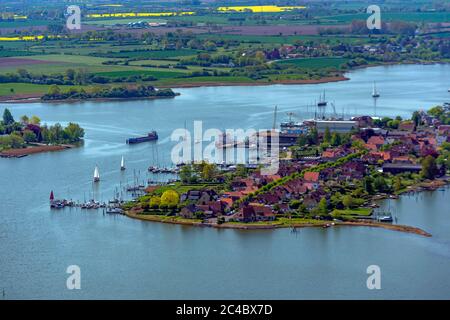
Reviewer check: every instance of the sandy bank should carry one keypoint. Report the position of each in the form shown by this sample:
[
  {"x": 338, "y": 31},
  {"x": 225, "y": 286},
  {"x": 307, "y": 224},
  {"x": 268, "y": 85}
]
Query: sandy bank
[{"x": 17, "y": 153}]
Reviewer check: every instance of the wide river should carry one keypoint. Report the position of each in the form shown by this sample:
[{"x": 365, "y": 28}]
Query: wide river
[{"x": 130, "y": 259}]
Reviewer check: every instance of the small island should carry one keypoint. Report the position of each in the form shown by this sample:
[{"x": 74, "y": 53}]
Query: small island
[
  {"x": 102, "y": 93},
  {"x": 28, "y": 136},
  {"x": 325, "y": 179}
]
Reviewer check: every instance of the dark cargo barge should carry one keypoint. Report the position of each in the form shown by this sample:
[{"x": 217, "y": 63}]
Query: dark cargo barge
[{"x": 152, "y": 136}]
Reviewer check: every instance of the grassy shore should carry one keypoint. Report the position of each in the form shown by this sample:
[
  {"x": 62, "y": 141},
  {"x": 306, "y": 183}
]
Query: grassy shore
[{"x": 280, "y": 223}]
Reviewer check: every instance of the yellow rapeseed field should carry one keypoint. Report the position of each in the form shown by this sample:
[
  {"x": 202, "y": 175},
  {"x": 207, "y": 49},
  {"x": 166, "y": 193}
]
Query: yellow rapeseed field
[
  {"x": 28, "y": 38},
  {"x": 138, "y": 14},
  {"x": 22, "y": 38},
  {"x": 268, "y": 8}
]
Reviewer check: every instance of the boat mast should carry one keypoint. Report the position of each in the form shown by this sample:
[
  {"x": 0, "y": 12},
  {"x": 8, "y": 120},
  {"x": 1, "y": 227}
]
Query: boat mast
[{"x": 275, "y": 118}]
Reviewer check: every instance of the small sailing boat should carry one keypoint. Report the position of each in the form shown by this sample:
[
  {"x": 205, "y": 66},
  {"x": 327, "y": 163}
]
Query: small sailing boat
[
  {"x": 96, "y": 175},
  {"x": 122, "y": 164},
  {"x": 375, "y": 93}
]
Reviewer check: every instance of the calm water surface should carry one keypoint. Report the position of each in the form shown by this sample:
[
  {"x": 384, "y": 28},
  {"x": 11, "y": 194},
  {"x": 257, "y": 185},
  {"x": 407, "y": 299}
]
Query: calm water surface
[{"x": 123, "y": 258}]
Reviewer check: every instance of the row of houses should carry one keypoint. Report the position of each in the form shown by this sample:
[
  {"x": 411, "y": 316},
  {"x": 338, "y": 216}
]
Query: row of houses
[{"x": 394, "y": 151}]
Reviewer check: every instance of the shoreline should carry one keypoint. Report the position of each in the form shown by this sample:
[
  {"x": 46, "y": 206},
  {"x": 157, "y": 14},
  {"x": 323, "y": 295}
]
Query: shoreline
[
  {"x": 424, "y": 186},
  {"x": 23, "y": 152},
  {"x": 244, "y": 226},
  {"x": 37, "y": 99}
]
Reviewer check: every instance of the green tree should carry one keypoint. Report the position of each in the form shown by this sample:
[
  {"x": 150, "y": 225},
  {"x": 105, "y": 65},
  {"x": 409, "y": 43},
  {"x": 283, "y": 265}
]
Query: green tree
[
  {"x": 70, "y": 74},
  {"x": 170, "y": 199},
  {"x": 81, "y": 77},
  {"x": 313, "y": 136},
  {"x": 368, "y": 185},
  {"x": 23, "y": 73},
  {"x": 398, "y": 184},
  {"x": 29, "y": 136},
  {"x": 16, "y": 141},
  {"x": 359, "y": 145},
  {"x": 56, "y": 133},
  {"x": 155, "y": 202},
  {"x": 186, "y": 173},
  {"x": 348, "y": 202},
  {"x": 380, "y": 184},
  {"x": 241, "y": 170},
  {"x": 446, "y": 146},
  {"x": 302, "y": 140},
  {"x": 35, "y": 120},
  {"x": 8, "y": 119},
  {"x": 336, "y": 200},
  {"x": 295, "y": 204},
  {"x": 336, "y": 139},
  {"x": 416, "y": 118},
  {"x": 24, "y": 119},
  {"x": 74, "y": 132},
  {"x": 327, "y": 135},
  {"x": 437, "y": 111},
  {"x": 208, "y": 171},
  {"x": 323, "y": 206},
  {"x": 429, "y": 168},
  {"x": 54, "y": 90}
]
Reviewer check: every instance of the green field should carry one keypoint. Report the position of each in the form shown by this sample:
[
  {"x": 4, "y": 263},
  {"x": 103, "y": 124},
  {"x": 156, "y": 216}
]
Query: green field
[
  {"x": 24, "y": 23},
  {"x": 29, "y": 88},
  {"x": 111, "y": 22},
  {"x": 60, "y": 63},
  {"x": 15, "y": 53},
  {"x": 216, "y": 79},
  {"x": 391, "y": 16},
  {"x": 151, "y": 54},
  {"x": 283, "y": 39},
  {"x": 362, "y": 212},
  {"x": 316, "y": 63},
  {"x": 155, "y": 73}
]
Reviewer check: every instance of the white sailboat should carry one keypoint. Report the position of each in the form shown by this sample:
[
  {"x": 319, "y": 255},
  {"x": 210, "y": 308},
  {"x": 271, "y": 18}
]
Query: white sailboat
[
  {"x": 96, "y": 174},
  {"x": 122, "y": 164},
  {"x": 375, "y": 92}
]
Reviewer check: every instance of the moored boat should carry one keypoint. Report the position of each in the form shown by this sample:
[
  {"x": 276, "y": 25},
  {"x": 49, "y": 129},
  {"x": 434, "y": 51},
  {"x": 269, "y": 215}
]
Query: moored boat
[
  {"x": 375, "y": 93},
  {"x": 322, "y": 101}
]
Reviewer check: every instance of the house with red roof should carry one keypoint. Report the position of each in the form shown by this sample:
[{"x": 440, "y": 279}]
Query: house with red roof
[
  {"x": 312, "y": 176},
  {"x": 407, "y": 126},
  {"x": 377, "y": 141},
  {"x": 402, "y": 159},
  {"x": 332, "y": 154},
  {"x": 255, "y": 212}
]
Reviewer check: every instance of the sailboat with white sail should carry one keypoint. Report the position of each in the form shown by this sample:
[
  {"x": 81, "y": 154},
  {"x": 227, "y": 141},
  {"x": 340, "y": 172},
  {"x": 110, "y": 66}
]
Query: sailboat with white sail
[
  {"x": 375, "y": 93},
  {"x": 122, "y": 164},
  {"x": 96, "y": 174}
]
